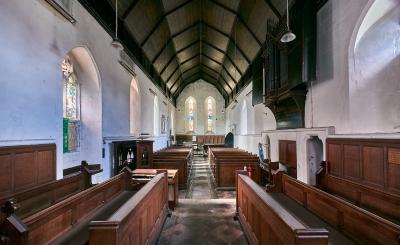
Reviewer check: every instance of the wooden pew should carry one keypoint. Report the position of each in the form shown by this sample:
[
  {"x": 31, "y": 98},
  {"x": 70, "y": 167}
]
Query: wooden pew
[
  {"x": 138, "y": 221},
  {"x": 365, "y": 172},
  {"x": 361, "y": 225},
  {"x": 179, "y": 158},
  {"x": 143, "y": 176},
  {"x": 32, "y": 200},
  {"x": 264, "y": 221},
  {"x": 225, "y": 163},
  {"x": 66, "y": 221}
]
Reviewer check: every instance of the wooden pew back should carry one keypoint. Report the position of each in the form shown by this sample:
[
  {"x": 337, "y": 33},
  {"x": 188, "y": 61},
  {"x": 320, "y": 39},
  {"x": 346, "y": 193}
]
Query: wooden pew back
[
  {"x": 361, "y": 225},
  {"x": 40, "y": 197},
  {"x": 266, "y": 222},
  {"x": 56, "y": 220},
  {"x": 139, "y": 220}
]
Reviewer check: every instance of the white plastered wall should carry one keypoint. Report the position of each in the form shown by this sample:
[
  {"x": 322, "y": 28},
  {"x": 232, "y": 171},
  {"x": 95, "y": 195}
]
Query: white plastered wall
[
  {"x": 335, "y": 106},
  {"x": 33, "y": 43},
  {"x": 200, "y": 90}
]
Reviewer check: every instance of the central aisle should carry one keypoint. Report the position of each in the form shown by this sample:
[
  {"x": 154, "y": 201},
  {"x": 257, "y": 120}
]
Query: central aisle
[{"x": 203, "y": 216}]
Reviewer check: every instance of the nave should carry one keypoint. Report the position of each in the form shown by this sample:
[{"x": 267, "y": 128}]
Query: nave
[
  {"x": 199, "y": 121},
  {"x": 203, "y": 215}
]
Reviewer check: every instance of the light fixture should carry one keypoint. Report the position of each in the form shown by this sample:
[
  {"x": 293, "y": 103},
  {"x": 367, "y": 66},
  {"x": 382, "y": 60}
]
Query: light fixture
[
  {"x": 115, "y": 42},
  {"x": 289, "y": 35}
]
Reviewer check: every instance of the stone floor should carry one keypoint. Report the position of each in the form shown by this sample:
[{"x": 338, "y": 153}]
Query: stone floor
[{"x": 203, "y": 215}]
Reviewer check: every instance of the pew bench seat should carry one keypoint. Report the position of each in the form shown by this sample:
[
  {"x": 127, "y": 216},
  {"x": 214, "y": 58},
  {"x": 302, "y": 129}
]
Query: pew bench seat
[
  {"x": 79, "y": 234},
  {"x": 309, "y": 219}
]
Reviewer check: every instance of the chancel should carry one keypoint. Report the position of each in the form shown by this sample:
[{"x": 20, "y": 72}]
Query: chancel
[{"x": 199, "y": 122}]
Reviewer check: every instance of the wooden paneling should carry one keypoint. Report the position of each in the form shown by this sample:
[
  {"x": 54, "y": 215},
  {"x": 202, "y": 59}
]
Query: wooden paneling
[
  {"x": 373, "y": 165},
  {"x": 335, "y": 159},
  {"x": 351, "y": 162},
  {"x": 288, "y": 156},
  {"x": 370, "y": 176},
  {"x": 5, "y": 174},
  {"x": 22, "y": 167}
]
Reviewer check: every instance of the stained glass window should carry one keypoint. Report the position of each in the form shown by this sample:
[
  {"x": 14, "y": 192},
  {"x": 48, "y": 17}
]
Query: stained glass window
[
  {"x": 191, "y": 115},
  {"x": 71, "y": 97},
  {"x": 70, "y": 107},
  {"x": 209, "y": 115}
]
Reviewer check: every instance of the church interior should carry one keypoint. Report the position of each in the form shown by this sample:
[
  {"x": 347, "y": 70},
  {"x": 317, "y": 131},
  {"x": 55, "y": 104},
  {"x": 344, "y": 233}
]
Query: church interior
[{"x": 200, "y": 122}]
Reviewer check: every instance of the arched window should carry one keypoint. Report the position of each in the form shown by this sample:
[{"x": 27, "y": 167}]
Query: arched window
[
  {"x": 156, "y": 119},
  {"x": 210, "y": 114},
  {"x": 243, "y": 118},
  {"x": 190, "y": 111},
  {"x": 134, "y": 108},
  {"x": 71, "y": 107}
]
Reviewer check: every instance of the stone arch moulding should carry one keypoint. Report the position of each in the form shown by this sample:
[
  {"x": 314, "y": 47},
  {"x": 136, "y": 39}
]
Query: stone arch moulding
[
  {"x": 214, "y": 114},
  {"x": 91, "y": 109},
  {"x": 187, "y": 129},
  {"x": 135, "y": 107}
]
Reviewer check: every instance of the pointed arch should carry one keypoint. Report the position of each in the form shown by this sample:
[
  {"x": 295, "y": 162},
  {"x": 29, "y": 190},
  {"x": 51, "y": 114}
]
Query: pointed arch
[
  {"x": 88, "y": 122},
  {"x": 243, "y": 118},
  {"x": 190, "y": 114},
  {"x": 134, "y": 108},
  {"x": 210, "y": 114},
  {"x": 156, "y": 117}
]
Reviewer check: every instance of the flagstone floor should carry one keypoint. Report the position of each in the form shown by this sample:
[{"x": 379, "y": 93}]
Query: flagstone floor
[{"x": 203, "y": 215}]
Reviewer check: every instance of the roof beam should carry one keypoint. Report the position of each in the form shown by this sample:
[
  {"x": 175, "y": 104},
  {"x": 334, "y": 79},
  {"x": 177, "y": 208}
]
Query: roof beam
[
  {"x": 180, "y": 76},
  {"x": 190, "y": 58},
  {"x": 230, "y": 39},
  {"x": 209, "y": 68},
  {"x": 167, "y": 64},
  {"x": 229, "y": 74},
  {"x": 155, "y": 27},
  {"x": 191, "y": 68},
  {"x": 177, "y": 7},
  {"x": 160, "y": 21},
  {"x": 238, "y": 17},
  {"x": 172, "y": 74},
  {"x": 129, "y": 9},
  {"x": 272, "y": 7}
]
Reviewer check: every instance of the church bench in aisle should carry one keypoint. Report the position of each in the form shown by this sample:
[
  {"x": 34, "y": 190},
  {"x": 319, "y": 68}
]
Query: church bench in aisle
[
  {"x": 264, "y": 221},
  {"x": 179, "y": 158},
  {"x": 67, "y": 221},
  {"x": 143, "y": 176},
  {"x": 225, "y": 162},
  {"x": 360, "y": 225},
  {"x": 138, "y": 221},
  {"x": 32, "y": 200}
]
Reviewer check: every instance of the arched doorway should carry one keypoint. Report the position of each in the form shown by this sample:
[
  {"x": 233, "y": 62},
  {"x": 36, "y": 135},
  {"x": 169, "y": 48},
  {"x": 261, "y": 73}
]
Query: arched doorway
[{"x": 315, "y": 154}]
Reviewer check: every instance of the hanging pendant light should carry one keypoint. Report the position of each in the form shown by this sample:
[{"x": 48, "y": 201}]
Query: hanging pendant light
[
  {"x": 115, "y": 42},
  {"x": 289, "y": 35}
]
